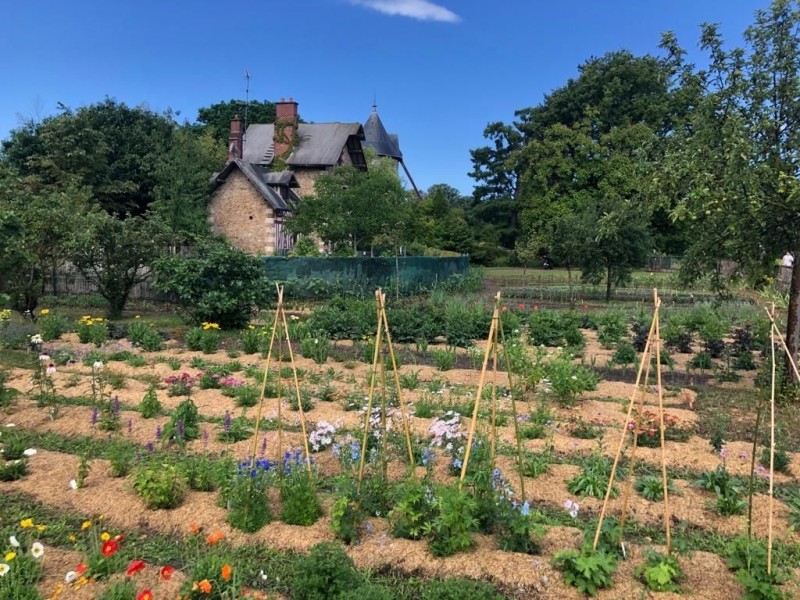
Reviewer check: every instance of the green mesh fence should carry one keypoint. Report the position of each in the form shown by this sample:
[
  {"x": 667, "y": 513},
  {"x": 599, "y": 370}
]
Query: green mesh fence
[{"x": 313, "y": 277}]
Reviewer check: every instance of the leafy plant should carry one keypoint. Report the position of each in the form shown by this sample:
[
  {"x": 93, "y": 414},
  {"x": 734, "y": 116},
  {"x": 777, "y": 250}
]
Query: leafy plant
[
  {"x": 409, "y": 380},
  {"x": 160, "y": 485},
  {"x": 300, "y": 505},
  {"x": 660, "y": 572},
  {"x": 317, "y": 348},
  {"x": 588, "y": 570},
  {"x": 246, "y": 496},
  {"x": 651, "y": 487},
  {"x": 413, "y": 509},
  {"x": 92, "y": 330},
  {"x": 204, "y": 338},
  {"x": 150, "y": 407},
  {"x": 453, "y": 522},
  {"x": 444, "y": 358},
  {"x": 459, "y": 589},
  {"x": 184, "y": 424},
  {"x": 52, "y": 325},
  {"x": 594, "y": 479},
  {"x": 346, "y": 518},
  {"x": 143, "y": 335},
  {"x": 536, "y": 464},
  {"x": 324, "y": 573},
  {"x": 120, "y": 455}
]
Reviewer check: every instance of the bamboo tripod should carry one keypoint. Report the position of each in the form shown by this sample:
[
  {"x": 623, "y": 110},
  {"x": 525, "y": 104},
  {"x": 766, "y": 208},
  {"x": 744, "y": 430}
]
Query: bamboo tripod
[
  {"x": 383, "y": 346},
  {"x": 653, "y": 339},
  {"x": 280, "y": 330},
  {"x": 496, "y": 335}
]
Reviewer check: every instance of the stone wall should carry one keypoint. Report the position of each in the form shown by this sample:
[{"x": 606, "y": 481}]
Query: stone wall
[{"x": 239, "y": 213}]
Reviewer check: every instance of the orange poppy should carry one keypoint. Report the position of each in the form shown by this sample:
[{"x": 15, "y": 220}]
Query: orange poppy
[
  {"x": 226, "y": 572},
  {"x": 109, "y": 548},
  {"x": 135, "y": 567},
  {"x": 215, "y": 537},
  {"x": 195, "y": 528},
  {"x": 81, "y": 568},
  {"x": 166, "y": 573},
  {"x": 144, "y": 595},
  {"x": 204, "y": 586}
]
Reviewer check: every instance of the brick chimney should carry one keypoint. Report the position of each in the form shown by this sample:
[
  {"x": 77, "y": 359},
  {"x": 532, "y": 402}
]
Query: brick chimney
[
  {"x": 285, "y": 126},
  {"x": 236, "y": 139}
]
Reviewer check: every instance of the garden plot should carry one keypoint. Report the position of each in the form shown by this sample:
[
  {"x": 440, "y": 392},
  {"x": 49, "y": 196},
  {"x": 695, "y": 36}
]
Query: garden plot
[{"x": 91, "y": 416}]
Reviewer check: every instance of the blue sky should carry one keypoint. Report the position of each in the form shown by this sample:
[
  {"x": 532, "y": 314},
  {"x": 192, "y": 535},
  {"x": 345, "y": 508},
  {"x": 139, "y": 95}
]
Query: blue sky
[{"x": 440, "y": 69}]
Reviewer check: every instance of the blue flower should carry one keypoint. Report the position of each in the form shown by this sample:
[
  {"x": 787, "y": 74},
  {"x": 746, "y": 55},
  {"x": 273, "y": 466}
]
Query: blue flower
[
  {"x": 457, "y": 463},
  {"x": 525, "y": 509}
]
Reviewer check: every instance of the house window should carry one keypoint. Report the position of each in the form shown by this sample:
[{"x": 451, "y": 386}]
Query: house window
[{"x": 284, "y": 241}]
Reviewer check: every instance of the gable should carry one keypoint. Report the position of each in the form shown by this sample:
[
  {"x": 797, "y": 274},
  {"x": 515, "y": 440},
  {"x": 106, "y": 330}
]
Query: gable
[{"x": 319, "y": 144}]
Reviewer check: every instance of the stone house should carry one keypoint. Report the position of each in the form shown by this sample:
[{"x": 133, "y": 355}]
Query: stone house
[{"x": 271, "y": 167}]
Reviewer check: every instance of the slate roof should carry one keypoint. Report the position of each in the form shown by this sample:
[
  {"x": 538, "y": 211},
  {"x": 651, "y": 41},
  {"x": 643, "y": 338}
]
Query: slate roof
[
  {"x": 262, "y": 180},
  {"x": 320, "y": 144},
  {"x": 377, "y": 138}
]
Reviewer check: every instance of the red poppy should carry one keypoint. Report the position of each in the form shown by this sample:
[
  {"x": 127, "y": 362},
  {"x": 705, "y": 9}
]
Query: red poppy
[
  {"x": 166, "y": 572},
  {"x": 135, "y": 567},
  {"x": 144, "y": 595},
  {"x": 109, "y": 548},
  {"x": 81, "y": 568},
  {"x": 522, "y": 307}
]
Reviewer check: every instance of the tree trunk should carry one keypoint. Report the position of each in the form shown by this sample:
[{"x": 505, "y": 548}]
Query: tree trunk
[
  {"x": 793, "y": 320},
  {"x": 608, "y": 284}
]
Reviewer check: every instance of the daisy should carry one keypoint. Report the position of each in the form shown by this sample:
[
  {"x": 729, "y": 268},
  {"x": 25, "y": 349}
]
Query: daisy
[
  {"x": 37, "y": 550},
  {"x": 13, "y": 541}
]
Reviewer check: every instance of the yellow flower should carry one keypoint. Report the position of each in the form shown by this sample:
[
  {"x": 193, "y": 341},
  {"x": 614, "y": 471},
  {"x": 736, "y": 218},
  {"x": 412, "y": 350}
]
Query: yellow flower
[
  {"x": 86, "y": 524},
  {"x": 251, "y": 326},
  {"x": 26, "y": 523},
  {"x": 105, "y": 536},
  {"x": 10, "y": 556},
  {"x": 44, "y": 311},
  {"x": 72, "y": 538},
  {"x": 138, "y": 317},
  {"x": 41, "y": 527}
]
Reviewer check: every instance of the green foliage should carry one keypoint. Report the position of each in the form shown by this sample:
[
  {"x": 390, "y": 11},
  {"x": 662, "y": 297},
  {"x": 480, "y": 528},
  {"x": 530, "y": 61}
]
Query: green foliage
[
  {"x": 246, "y": 497},
  {"x": 203, "y": 473},
  {"x": 459, "y": 589},
  {"x": 123, "y": 589},
  {"x": 324, "y": 573},
  {"x": 299, "y": 502},
  {"x": 316, "y": 348},
  {"x": 92, "y": 330},
  {"x": 536, "y": 464},
  {"x": 216, "y": 284},
  {"x": 52, "y": 326},
  {"x": 747, "y": 556},
  {"x": 150, "y": 407},
  {"x": 453, "y": 522},
  {"x": 651, "y": 487},
  {"x": 568, "y": 380},
  {"x": 517, "y": 528},
  {"x": 413, "y": 509},
  {"x": 588, "y": 570},
  {"x": 624, "y": 355},
  {"x": 159, "y": 485},
  {"x": 660, "y": 572},
  {"x": 252, "y": 339},
  {"x": 593, "y": 480},
  {"x": 612, "y": 326},
  {"x": 203, "y": 339},
  {"x": 444, "y": 358},
  {"x": 120, "y": 456},
  {"x": 184, "y": 424},
  {"x": 346, "y": 518},
  {"x": 145, "y": 336}
]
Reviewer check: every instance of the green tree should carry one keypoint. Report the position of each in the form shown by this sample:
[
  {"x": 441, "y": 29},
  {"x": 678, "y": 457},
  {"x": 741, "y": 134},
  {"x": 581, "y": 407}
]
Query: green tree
[
  {"x": 734, "y": 168},
  {"x": 351, "y": 206},
  {"x": 215, "y": 120},
  {"x": 108, "y": 147},
  {"x": 216, "y": 283},
  {"x": 182, "y": 188},
  {"x": 116, "y": 254},
  {"x": 496, "y": 177}
]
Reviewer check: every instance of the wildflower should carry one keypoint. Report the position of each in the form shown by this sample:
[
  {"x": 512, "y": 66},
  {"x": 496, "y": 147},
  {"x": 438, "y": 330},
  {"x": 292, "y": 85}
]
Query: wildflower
[
  {"x": 85, "y": 525},
  {"x": 144, "y": 595},
  {"x": 37, "y": 550},
  {"x": 72, "y": 538},
  {"x": 166, "y": 572},
  {"x": 98, "y": 364},
  {"x": 135, "y": 567},
  {"x": 30, "y": 452},
  {"x": 215, "y": 537},
  {"x": 262, "y": 575},
  {"x": 44, "y": 357},
  {"x": 572, "y": 507},
  {"x": 723, "y": 453},
  {"x": 130, "y": 426},
  {"x": 226, "y": 572},
  {"x": 109, "y": 548},
  {"x": 26, "y": 523},
  {"x": 13, "y": 541},
  {"x": 204, "y": 586},
  {"x": 10, "y": 556},
  {"x": 81, "y": 568},
  {"x": 158, "y": 432},
  {"x": 525, "y": 509},
  {"x": 195, "y": 528},
  {"x": 105, "y": 536},
  {"x": 743, "y": 455},
  {"x": 457, "y": 463},
  {"x": 226, "y": 422},
  {"x": 70, "y": 577},
  {"x": 95, "y": 415},
  {"x": 51, "y": 369},
  {"x": 73, "y": 485}
]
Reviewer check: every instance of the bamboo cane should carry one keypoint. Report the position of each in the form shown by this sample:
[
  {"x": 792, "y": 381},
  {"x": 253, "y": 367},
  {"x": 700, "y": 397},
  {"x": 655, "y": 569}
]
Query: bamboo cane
[
  {"x": 297, "y": 391},
  {"x": 264, "y": 382},
  {"x": 514, "y": 413},
  {"x": 398, "y": 387},
  {"x": 384, "y": 435},
  {"x": 771, "y": 445},
  {"x": 375, "y": 355},
  {"x": 471, "y": 435},
  {"x": 493, "y": 441},
  {"x": 661, "y": 419},
  {"x": 625, "y": 430}
]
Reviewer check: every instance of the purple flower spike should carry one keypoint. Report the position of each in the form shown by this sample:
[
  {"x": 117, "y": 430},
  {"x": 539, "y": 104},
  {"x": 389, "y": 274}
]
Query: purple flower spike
[
  {"x": 158, "y": 433},
  {"x": 226, "y": 422}
]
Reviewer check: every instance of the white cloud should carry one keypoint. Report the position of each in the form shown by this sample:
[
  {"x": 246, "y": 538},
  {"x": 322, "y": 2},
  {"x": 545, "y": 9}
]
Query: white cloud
[{"x": 424, "y": 10}]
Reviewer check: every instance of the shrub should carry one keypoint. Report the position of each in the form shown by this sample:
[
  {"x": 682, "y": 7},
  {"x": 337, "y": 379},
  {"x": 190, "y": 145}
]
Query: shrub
[
  {"x": 459, "y": 589},
  {"x": 588, "y": 570},
  {"x": 325, "y": 573},
  {"x": 92, "y": 330},
  {"x": 413, "y": 509},
  {"x": 453, "y": 523},
  {"x": 160, "y": 485},
  {"x": 217, "y": 283},
  {"x": 252, "y": 339},
  {"x": 567, "y": 380},
  {"x": 624, "y": 355},
  {"x": 145, "y": 336},
  {"x": 204, "y": 338},
  {"x": 612, "y": 326},
  {"x": 52, "y": 325}
]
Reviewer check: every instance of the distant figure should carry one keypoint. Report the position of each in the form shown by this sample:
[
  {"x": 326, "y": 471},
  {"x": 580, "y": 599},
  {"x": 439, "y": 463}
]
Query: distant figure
[{"x": 788, "y": 260}]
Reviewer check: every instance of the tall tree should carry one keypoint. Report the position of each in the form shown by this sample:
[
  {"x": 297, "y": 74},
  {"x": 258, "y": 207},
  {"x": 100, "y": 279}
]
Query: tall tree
[
  {"x": 108, "y": 147},
  {"x": 216, "y": 119},
  {"x": 735, "y": 167},
  {"x": 351, "y": 206}
]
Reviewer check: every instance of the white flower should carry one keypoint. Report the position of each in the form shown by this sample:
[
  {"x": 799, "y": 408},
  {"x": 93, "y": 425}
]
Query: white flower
[
  {"x": 44, "y": 357},
  {"x": 37, "y": 550},
  {"x": 73, "y": 485},
  {"x": 30, "y": 452},
  {"x": 10, "y": 425},
  {"x": 70, "y": 577},
  {"x": 4, "y": 568},
  {"x": 263, "y": 575},
  {"x": 98, "y": 364},
  {"x": 13, "y": 541},
  {"x": 51, "y": 369}
]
